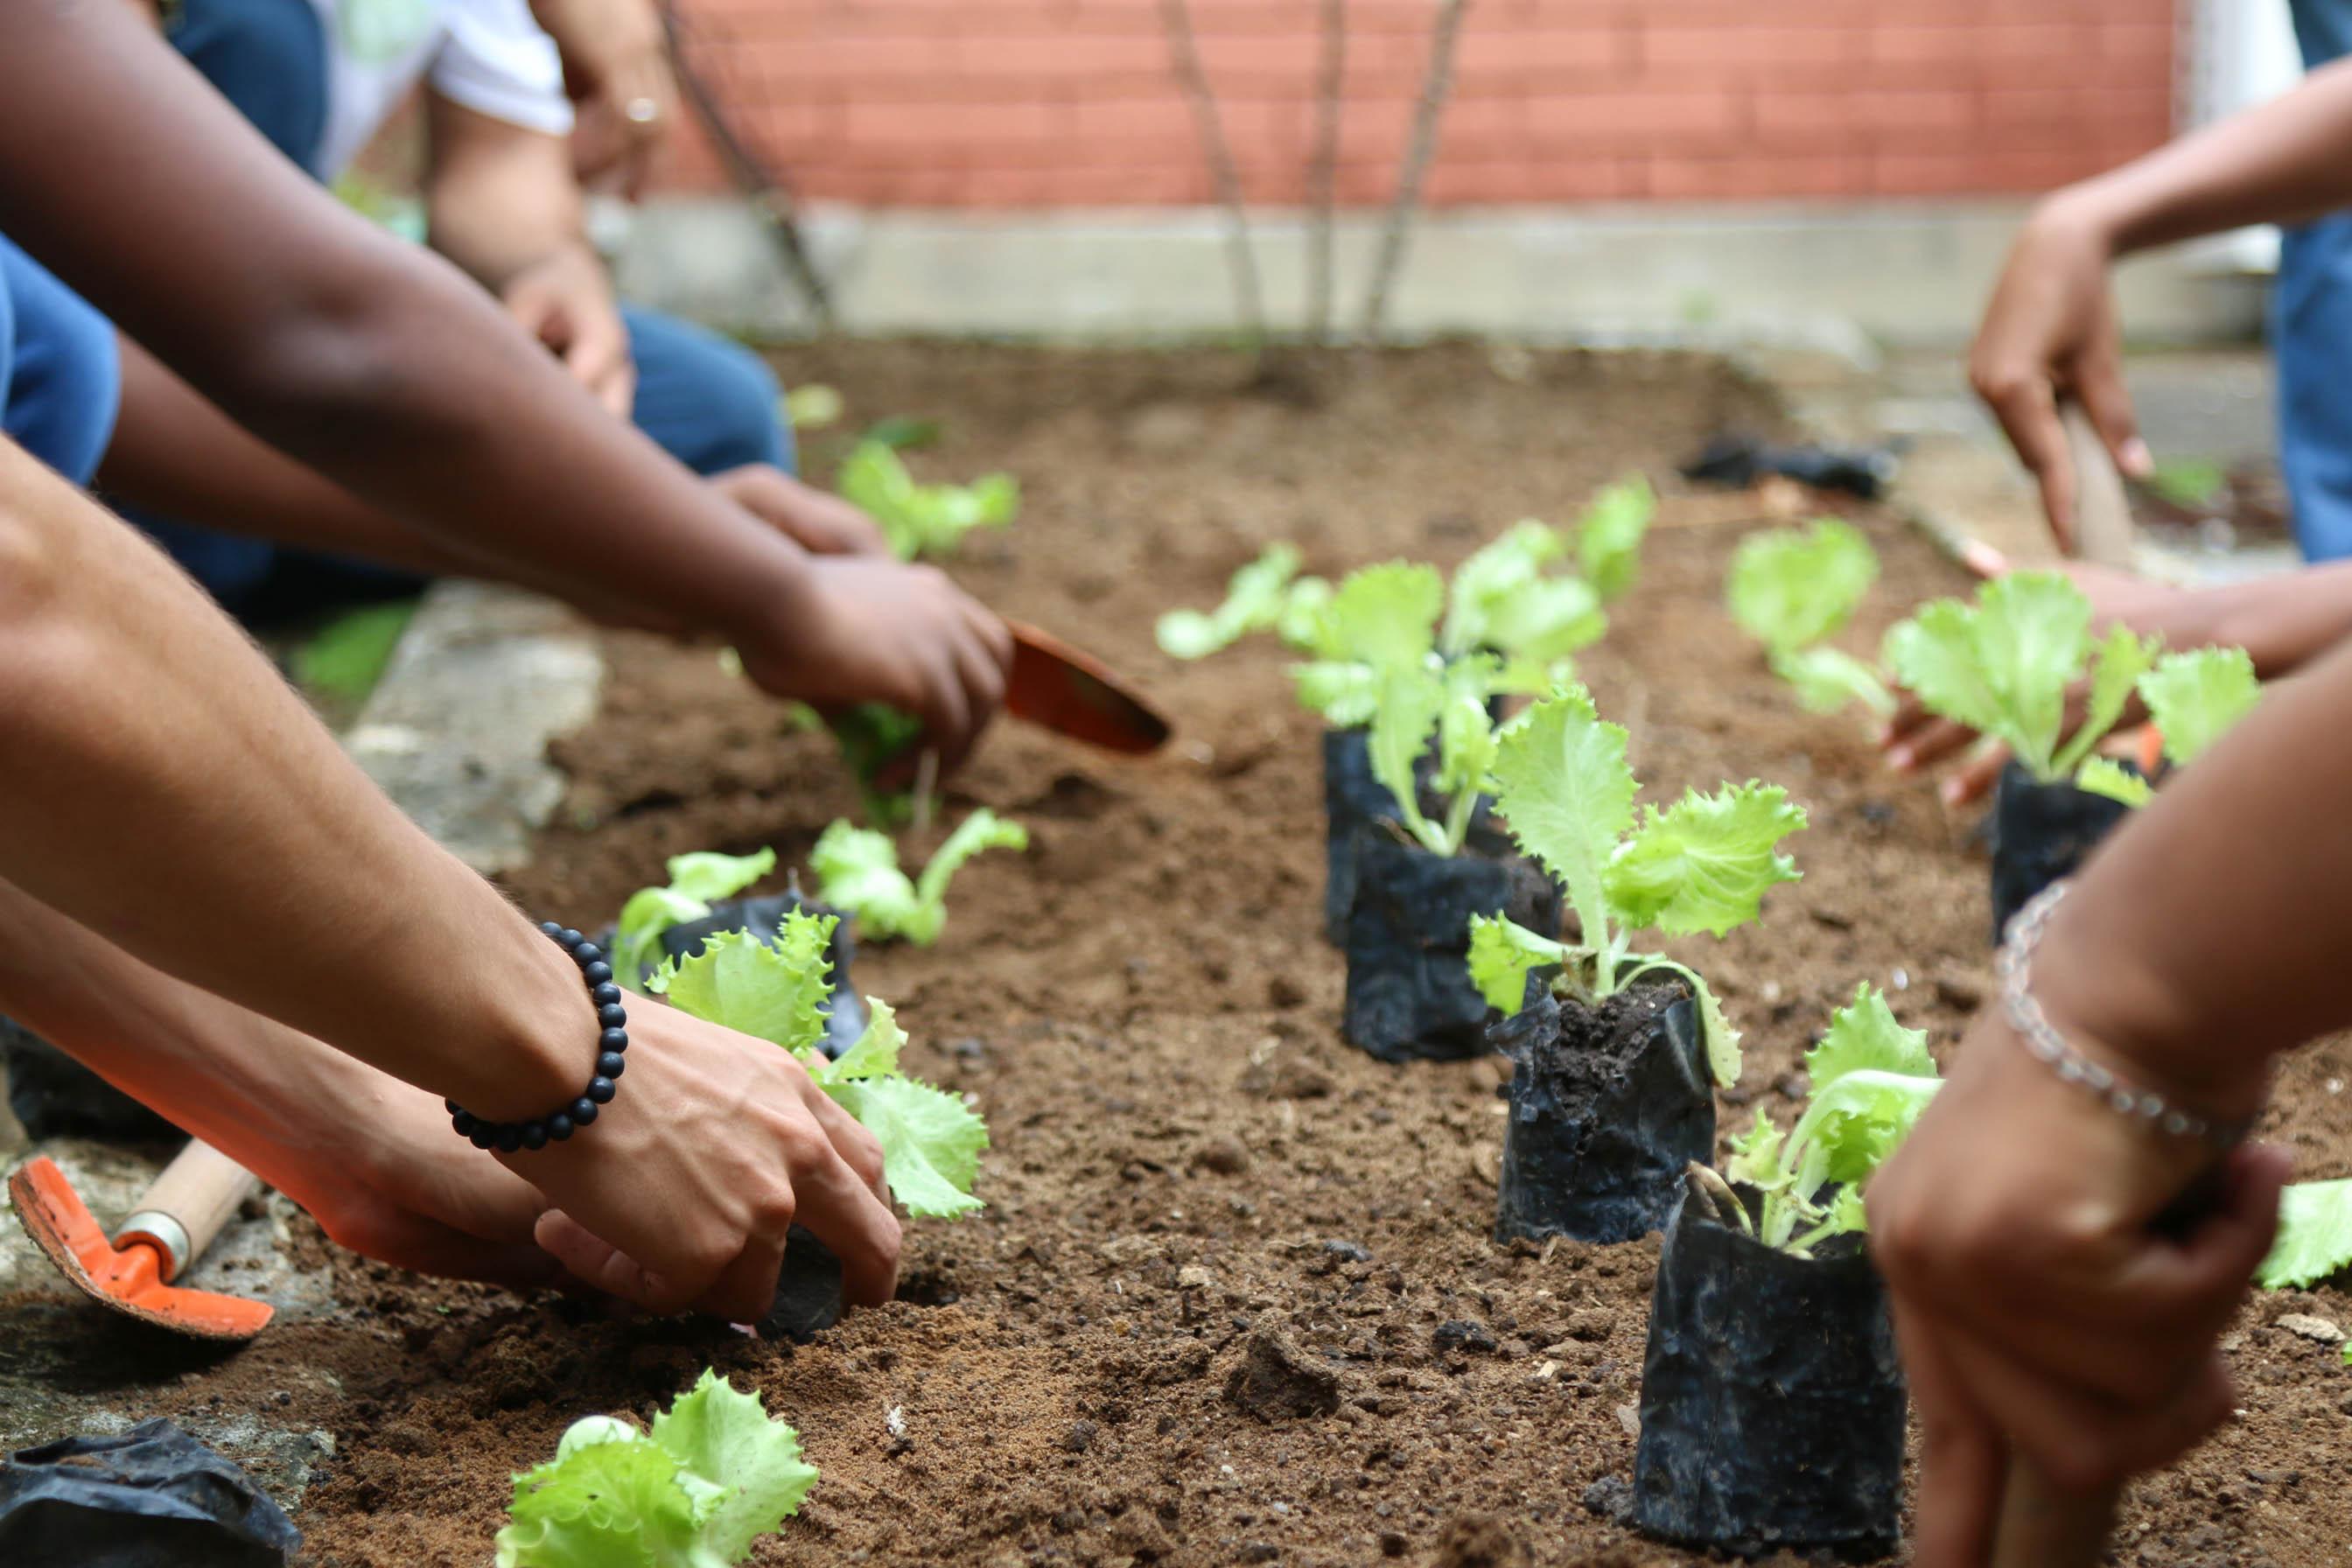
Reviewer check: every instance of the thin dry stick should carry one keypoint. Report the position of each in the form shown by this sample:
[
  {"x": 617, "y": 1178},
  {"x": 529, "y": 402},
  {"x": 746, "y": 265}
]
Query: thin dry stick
[
  {"x": 755, "y": 178},
  {"x": 1184, "y": 52},
  {"x": 1436, "y": 87},
  {"x": 1323, "y": 172}
]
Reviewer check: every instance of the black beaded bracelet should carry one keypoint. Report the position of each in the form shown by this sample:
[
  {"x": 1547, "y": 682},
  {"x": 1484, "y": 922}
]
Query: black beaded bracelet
[{"x": 611, "y": 1060}]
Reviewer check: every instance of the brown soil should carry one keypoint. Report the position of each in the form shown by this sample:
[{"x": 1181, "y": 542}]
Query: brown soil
[{"x": 1232, "y": 1300}]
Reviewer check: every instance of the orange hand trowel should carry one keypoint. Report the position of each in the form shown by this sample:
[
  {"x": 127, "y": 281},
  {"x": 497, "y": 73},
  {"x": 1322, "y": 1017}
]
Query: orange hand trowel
[
  {"x": 1058, "y": 687},
  {"x": 169, "y": 1227}
]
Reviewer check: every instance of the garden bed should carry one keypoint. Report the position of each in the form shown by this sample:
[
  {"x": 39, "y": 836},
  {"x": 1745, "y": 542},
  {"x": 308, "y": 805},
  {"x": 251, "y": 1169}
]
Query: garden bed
[{"x": 1233, "y": 1298}]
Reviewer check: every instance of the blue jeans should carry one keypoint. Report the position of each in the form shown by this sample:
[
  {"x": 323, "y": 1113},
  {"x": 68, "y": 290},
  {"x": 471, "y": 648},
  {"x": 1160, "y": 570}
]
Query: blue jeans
[
  {"x": 2311, "y": 337},
  {"x": 60, "y": 375},
  {"x": 712, "y": 403}
]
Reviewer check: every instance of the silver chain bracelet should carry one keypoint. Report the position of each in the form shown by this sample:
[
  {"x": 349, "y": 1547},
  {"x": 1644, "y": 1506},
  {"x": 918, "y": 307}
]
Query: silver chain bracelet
[{"x": 2015, "y": 969}]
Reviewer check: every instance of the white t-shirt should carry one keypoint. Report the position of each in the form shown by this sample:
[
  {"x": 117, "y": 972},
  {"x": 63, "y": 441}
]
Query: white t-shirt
[{"x": 489, "y": 56}]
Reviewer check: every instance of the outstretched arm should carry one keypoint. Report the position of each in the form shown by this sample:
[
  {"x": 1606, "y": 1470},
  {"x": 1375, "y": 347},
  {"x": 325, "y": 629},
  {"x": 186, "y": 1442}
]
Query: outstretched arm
[
  {"x": 2039, "y": 1305},
  {"x": 168, "y": 793},
  {"x": 2050, "y": 332},
  {"x": 386, "y": 369}
]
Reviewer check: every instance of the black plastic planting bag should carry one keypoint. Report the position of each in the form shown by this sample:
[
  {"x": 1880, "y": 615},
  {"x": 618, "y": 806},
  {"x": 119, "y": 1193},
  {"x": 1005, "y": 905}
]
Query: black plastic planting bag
[
  {"x": 1409, "y": 993},
  {"x": 2041, "y": 833},
  {"x": 1355, "y": 803},
  {"x": 1772, "y": 1403},
  {"x": 844, "y": 1018},
  {"x": 808, "y": 1291},
  {"x": 150, "y": 1498},
  {"x": 56, "y": 1096},
  {"x": 1607, "y": 1109}
]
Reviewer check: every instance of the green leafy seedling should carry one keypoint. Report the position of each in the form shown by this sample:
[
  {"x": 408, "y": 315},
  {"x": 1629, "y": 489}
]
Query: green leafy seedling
[
  {"x": 857, "y": 871},
  {"x": 714, "y": 1474},
  {"x": 1703, "y": 864},
  {"x": 1871, "y": 1080},
  {"x": 2195, "y": 696},
  {"x": 696, "y": 882},
  {"x": 931, "y": 1141},
  {"x": 2003, "y": 666},
  {"x": 922, "y": 521}
]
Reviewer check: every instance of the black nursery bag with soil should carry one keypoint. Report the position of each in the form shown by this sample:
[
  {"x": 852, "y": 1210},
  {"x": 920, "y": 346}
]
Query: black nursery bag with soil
[
  {"x": 1772, "y": 1400},
  {"x": 2042, "y": 833},
  {"x": 1410, "y": 996},
  {"x": 1609, "y": 1106}
]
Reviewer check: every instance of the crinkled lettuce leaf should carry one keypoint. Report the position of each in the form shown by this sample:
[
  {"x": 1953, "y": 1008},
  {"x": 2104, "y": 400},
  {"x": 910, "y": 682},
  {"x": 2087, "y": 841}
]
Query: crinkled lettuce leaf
[
  {"x": 1789, "y": 587},
  {"x": 2003, "y": 665},
  {"x": 1826, "y": 679},
  {"x": 696, "y": 882},
  {"x": 715, "y": 1474},
  {"x": 857, "y": 870},
  {"x": 1609, "y": 536},
  {"x": 2197, "y": 696},
  {"x": 2105, "y": 776},
  {"x": 920, "y": 519},
  {"x": 931, "y": 1141},
  {"x": 776, "y": 992},
  {"x": 1705, "y": 863},
  {"x": 1566, "y": 792},
  {"x": 2314, "y": 1236},
  {"x": 1255, "y": 599}
]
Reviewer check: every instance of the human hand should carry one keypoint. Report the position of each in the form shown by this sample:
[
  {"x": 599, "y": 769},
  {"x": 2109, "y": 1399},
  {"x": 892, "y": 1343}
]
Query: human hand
[
  {"x": 616, "y": 62},
  {"x": 2049, "y": 332},
  {"x": 2039, "y": 1306},
  {"x": 820, "y": 523},
  {"x": 566, "y": 302},
  {"x": 881, "y": 631},
  {"x": 680, "y": 1193}
]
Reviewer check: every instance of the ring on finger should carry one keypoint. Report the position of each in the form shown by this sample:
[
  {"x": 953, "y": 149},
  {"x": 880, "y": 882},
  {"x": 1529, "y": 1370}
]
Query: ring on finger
[{"x": 644, "y": 110}]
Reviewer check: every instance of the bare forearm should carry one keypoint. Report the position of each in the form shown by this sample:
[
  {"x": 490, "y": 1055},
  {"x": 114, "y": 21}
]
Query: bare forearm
[
  {"x": 2284, "y": 622},
  {"x": 168, "y": 793},
  {"x": 2284, "y": 161},
  {"x": 372, "y": 361},
  {"x": 499, "y": 198},
  {"x": 2207, "y": 935}
]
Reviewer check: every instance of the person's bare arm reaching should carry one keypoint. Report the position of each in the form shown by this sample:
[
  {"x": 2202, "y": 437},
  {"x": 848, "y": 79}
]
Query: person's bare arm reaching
[
  {"x": 2051, "y": 331},
  {"x": 2038, "y": 1306},
  {"x": 385, "y": 369},
  {"x": 171, "y": 795}
]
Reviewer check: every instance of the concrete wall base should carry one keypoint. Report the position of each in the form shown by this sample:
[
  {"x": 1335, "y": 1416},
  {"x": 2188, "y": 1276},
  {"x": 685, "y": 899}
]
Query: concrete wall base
[{"x": 1822, "y": 277}]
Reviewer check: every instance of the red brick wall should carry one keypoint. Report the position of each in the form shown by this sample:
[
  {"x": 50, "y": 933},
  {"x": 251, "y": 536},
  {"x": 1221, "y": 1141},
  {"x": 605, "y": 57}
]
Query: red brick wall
[{"x": 1072, "y": 104}]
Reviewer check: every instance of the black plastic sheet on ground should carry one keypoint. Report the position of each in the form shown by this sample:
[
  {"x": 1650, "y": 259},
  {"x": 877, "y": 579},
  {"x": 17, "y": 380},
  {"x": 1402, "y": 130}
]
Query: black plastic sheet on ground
[{"x": 152, "y": 1497}]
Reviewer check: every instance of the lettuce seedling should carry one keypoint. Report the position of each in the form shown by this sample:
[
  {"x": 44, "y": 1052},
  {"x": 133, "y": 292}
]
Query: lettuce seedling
[
  {"x": 1872, "y": 1077},
  {"x": 2194, "y": 698},
  {"x": 1609, "y": 536},
  {"x": 2003, "y": 666},
  {"x": 1411, "y": 703},
  {"x": 696, "y": 882},
  {"x": 873, "y": 735},
  {"x": 921, "y": 520},
  {"x": 2314, "y": 1236},
  {"x": 1703, "y": 864},
  {"x": 715, "y": 1474},
  {"x": 857, "y": 870},
  {"x": 931, "y": 1141},
  {"x": 1380, "y": 618},
  {"x": 1791, "y": 588},
  {"x": 1265, "y": 596}
]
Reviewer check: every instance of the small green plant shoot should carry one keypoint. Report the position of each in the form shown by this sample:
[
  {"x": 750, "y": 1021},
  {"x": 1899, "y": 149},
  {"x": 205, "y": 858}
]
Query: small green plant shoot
[
  {"x": 873, "y": 735},
  {"x": 919, "y": 519},
  {"x": 696, "y": 882},
  {"x": 2194, "y": 697},
  {"x": 2003, "y": 665},
  {"x": 1703, "y": 864},
  {"x": 1790, "y": 589},
  {"x": 930, "y": 1139},
  {"x": 857, "y": 871},
  {"x": 1265, "y": 596},
  {"x": 2314, "y": 1236},
  {"x": 714, "y": 1474},
  {"x": 1872, "y": 1077}
]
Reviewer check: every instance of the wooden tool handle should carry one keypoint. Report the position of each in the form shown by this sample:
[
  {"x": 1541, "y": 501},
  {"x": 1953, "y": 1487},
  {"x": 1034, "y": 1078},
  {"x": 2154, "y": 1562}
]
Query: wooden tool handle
[
  {"x": 2103, "y": 517},
  {"x": 2041, "y": 1526},
  {"x": 187, "y": 1205}
]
